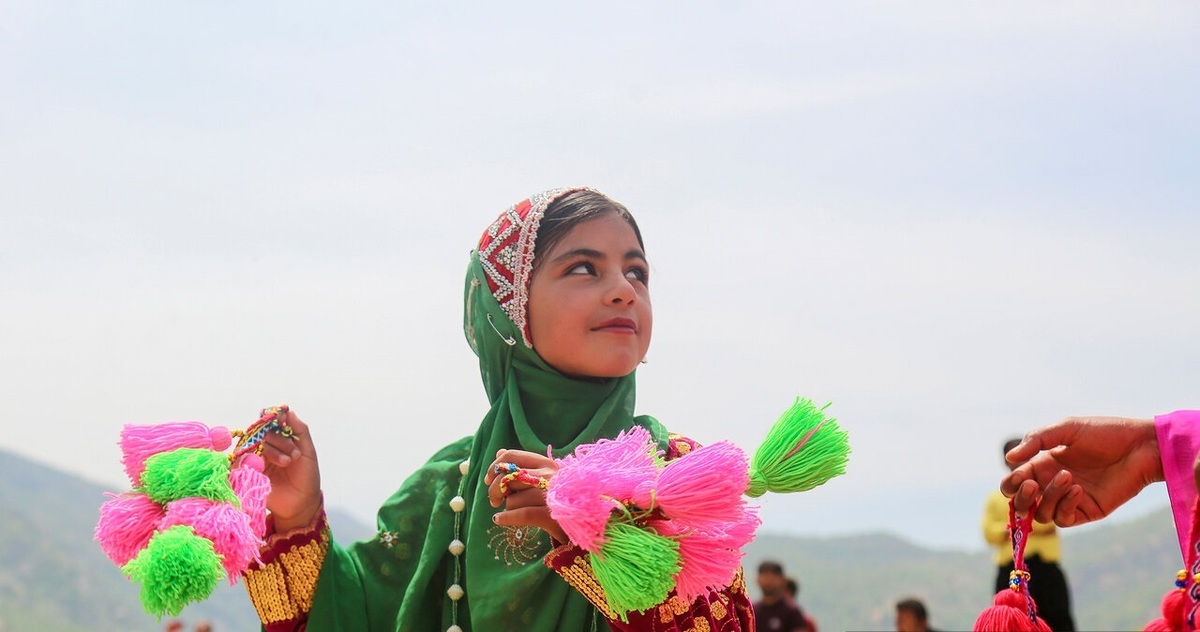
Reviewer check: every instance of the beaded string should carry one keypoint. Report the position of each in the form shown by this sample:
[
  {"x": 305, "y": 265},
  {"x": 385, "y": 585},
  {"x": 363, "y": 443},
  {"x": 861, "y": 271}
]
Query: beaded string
[
  {"x": 1018, "y": 579},
  {"x": 457, "y": 547},
  {"x": 273, "y": 419}
]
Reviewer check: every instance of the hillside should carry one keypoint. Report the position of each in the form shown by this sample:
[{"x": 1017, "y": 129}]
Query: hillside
[{"x": 54, "y": 578}]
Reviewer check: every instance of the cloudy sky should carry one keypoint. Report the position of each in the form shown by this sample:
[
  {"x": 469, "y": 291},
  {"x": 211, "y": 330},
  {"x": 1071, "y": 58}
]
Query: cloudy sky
[{"x": 954, "y": 220}]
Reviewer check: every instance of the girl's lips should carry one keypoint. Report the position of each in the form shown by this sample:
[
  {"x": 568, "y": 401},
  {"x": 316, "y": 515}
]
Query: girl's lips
[{"x": 618, "y": 326}]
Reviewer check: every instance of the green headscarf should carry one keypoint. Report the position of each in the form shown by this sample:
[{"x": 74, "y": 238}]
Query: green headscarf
[{"x": 399, "y": 580}]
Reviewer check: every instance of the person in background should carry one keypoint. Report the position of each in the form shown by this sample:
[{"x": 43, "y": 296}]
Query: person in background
[
  {"x": 1048, "y": 586},
  {"x": 776, "y": 611},
  {"x": 793, "y": 591},
  {"x": 911, "y": 616}
]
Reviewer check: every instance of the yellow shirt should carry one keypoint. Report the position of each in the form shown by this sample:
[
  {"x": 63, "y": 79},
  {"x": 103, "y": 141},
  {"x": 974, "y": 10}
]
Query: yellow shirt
[{"x": 1043, "y": 542}]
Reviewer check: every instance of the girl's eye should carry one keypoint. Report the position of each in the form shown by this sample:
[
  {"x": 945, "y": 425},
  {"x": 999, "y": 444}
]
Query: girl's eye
[
  {"x": 582, "y": 268},
  {"x": 637, "y": 274}
]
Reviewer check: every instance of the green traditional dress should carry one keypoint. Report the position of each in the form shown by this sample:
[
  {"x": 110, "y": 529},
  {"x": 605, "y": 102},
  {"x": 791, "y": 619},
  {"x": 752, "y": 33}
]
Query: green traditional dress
[{"x": 439, "y": 561}]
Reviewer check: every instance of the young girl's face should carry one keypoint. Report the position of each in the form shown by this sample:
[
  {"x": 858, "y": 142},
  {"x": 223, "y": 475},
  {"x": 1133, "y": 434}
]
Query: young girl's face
[{"x": 589, "y": 300}]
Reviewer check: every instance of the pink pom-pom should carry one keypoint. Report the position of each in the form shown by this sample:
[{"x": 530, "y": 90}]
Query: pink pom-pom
[
  {"x": 710, "y": 559},
  {"x": 222, "y": 523},
  {"x": 597, "y": 479},
  {"x": 703, "y": 487},
  {"x": 127, "y": 522},
  {"x": 251, "y": 487},
  {"x": 1009, "y": 613},
  {"x": 140, "y": 442}
]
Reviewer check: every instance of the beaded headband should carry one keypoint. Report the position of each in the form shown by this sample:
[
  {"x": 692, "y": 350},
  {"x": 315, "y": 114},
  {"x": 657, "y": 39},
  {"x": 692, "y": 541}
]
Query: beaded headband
[{"x": 506, "y": 252}]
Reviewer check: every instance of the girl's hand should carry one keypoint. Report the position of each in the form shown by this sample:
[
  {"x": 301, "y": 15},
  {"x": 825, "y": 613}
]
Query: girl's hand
[
  {"x": 295, "y": 496},
  {"x": 1082, "y": 468},
  {"x": 525, "y": 504}
]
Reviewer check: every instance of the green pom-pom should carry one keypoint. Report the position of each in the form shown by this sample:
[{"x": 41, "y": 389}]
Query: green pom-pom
[
  {"x": 176, "y": 568},
  {"x": 804, "y": 449},
  {"x": 186, "y": 473},
  {"x": 635, "y": 567}
]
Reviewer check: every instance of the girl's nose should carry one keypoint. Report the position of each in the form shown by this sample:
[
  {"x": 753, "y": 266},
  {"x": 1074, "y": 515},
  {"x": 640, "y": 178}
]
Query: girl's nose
[{"x": 621, "y": 291}]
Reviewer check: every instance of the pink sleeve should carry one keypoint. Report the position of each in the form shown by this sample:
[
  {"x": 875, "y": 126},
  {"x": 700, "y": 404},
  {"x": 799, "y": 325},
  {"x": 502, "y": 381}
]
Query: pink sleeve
[{"x": 1178, "y": 444}]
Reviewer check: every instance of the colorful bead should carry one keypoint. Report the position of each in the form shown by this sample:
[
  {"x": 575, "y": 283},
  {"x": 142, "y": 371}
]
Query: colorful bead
[
  {"x": 455, "y": 592},
  {"x": 458, "y": 504},
  {"x": 454, "y": 628},
  {"x": 457, "y": 547},
  {"x": 464, "y": 466}
]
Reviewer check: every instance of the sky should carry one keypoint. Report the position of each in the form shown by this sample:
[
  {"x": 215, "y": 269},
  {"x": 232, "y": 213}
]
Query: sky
[{"x": 956, "y": 221}]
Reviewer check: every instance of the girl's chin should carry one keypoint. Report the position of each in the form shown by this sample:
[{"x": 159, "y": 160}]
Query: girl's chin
[{"x": 600, "y": 372}]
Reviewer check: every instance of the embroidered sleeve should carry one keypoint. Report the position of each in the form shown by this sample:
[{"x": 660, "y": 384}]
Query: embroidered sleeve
[
  {"x": 728, "y": 610},
  {"x": 282, "y": 584}
]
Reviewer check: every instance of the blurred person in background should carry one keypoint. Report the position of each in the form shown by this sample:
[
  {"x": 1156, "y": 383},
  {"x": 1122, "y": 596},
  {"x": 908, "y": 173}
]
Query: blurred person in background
[{"x": 776, "y": 611}]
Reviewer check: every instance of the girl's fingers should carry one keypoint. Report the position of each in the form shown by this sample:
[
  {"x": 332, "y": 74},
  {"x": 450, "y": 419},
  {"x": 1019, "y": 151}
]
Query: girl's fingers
[
  {"x": 520, "y": 458},
  {"x": 525, "y": 498},
  {"x": 534, "y": 516},
  {"x": 279, "y": 458},
  {"x": 510, "y": 484}
]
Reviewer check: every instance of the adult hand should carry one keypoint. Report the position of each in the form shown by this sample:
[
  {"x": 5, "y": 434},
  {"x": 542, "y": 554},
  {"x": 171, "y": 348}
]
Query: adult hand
[
  {"x": 295, "y": 496},
  {"x": 1082, "y": 468},
  {"x": 524, "y": 504}
]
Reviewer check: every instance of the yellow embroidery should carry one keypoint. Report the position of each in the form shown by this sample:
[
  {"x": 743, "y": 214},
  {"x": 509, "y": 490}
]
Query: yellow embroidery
[
  {"x": 581, "y": 577},
  {"x": 303, "y": 565},
  {"x": 718, "y": 608},
  {"x": 283, "y": 590},
  {"x": 700, "y": 625},
  {"x": 664, "y": 613},
  {"x": 678, "y": 606},
  {"x": 268, "y": 592}
]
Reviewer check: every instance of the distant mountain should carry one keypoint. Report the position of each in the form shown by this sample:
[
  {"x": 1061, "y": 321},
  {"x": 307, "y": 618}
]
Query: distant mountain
[{"x": 54, "y": 577}]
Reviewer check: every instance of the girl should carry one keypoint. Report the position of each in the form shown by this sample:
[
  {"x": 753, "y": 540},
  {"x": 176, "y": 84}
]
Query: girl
[{"x": 558, "y": 313}]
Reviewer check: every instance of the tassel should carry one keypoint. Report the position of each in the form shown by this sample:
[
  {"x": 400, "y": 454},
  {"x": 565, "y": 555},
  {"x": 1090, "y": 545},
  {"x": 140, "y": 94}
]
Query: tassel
[
  {"x": 1013, "y": 609},
  {"x": 708, "y": 560},
  {"x": 635, "y": 567},
  {"x": 1009, "y": 613},
  {"x": 803, "y": 449},
  {"x": 127, "y": 522},
  {"x": 187, "y": 472},
  {"x": 703, "y": 487},
  {"x": 594, "y": 481},
  {"x": 1174, "y": 611},
  {"x": 221, "y": 523},
  {"x": 177, "y": 567},
  {"x": 251, "y": 487},
  {"x": 139, "y": 443}
]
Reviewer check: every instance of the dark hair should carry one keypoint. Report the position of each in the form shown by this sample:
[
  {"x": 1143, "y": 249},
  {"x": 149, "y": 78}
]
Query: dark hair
[
  {"x": 575, "y": 208},
  {"x": 1010, "y": 444},
  {"x": 914, "y": 606},
  {"x": 770, "y": 566},
  {"x": 793, "y": 587}
]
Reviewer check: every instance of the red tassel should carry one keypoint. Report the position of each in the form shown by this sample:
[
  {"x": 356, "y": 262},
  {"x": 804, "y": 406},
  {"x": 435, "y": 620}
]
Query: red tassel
[
  {"x": 1174, "y": 610},
  {"x": 1013, "y": 609},
  {"x": 1009, "y": 613}
]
